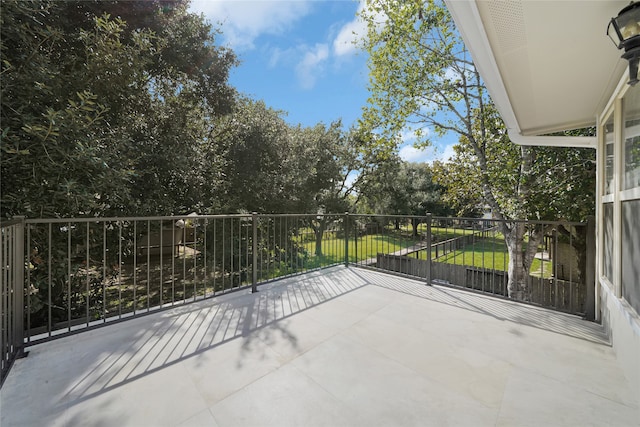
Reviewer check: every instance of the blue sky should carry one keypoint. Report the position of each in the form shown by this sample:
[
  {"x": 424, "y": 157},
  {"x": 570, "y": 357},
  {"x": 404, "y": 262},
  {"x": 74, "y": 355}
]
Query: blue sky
[{"x": 299, "y": 57}]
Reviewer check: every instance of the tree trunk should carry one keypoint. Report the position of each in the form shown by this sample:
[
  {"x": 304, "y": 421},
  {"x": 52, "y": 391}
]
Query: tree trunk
[
  {"x": 517, "y": 283},
  {"x": 415, "y": 223},
  {"x": 521, "y": 256},
  {"x": 319, "y": 234},
  {"x": 578, "y": 239}
]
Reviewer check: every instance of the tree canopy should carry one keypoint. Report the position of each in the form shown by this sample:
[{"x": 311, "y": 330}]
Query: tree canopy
[
  {"x": 407, "y": 189},
  {"x": 422, "y": 77},
  {"x": 99, "y": 113},
  {"x": 114, "y": 108}
]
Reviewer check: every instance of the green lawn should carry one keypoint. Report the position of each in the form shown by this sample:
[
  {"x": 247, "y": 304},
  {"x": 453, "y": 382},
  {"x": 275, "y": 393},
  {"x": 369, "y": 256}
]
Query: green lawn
[
  {"x": 439, "y": 233},
  {"x": 489, "y": 252},
  {"x": 364, "y": 247}
]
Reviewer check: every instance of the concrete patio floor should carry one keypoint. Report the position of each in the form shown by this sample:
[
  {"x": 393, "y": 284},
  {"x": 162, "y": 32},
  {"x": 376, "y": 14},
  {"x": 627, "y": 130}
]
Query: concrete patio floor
[{"x": 336, "y": 347}]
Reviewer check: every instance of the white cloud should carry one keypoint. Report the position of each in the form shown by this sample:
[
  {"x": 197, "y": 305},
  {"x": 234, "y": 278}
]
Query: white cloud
[
  {"x": 448, "y": 153},
  {"x": 312, "y": 65},
  {"x": 407, "y": 136},
  {"x": 279, "y": 56},
  {"x": 451, "y": 74},
  {"x": 352, "y": 32},
  {"x": 244, "y": 21},
  {"x": 411, "y": 154},
  {"x": 344, "y": 43},
  {"x": 276, "y": 56}
]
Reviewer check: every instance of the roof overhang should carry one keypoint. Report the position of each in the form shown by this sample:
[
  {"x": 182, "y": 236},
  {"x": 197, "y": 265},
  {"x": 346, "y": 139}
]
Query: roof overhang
[{"x": 548, "y": 66}]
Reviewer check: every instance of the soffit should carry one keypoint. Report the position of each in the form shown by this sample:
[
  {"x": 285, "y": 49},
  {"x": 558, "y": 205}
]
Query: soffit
[{"x": 555, "y": 64}]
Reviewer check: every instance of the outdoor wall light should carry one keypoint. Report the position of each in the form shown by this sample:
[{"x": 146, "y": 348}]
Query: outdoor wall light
[{"x": 626, "y": 35}]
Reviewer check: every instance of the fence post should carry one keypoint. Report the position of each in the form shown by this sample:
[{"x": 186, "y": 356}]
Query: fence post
[
  {"x": 428, "y": 249},
  {"x": 19, "y": 288},
  {"x": 555, "y": 267},
  {"x": 254, "y": 252},
  {"x": 346, "y": 239},
  {"x": 590, "y": 267}
]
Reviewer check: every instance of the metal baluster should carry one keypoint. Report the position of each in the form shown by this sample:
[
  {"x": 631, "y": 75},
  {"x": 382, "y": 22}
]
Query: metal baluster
[
  {"x": 68, "y": 276},
  {"x": 49, "y": 325},
  {"x": 135, "y": 264}
]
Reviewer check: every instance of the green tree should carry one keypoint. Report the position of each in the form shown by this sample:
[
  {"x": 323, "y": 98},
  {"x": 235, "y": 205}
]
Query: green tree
[
  {"x": 104, "y": 117},
  {"x": 463, "y": 190},
  {"x": 101, "y": 116},
  {"x": 55, "y": 156},
  {"x": 334, "y": 169},
  {"x": 422, "y": 76},
  {"x": 254, "y": 141},
  {"x": 409, "y": 189},
  {"x": 330, "y": 170}
]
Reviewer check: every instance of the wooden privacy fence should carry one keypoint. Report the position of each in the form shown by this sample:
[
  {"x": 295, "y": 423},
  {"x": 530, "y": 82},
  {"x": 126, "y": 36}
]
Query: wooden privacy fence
[
  {"x": 558, "y": 294},
  {"x": 445, "y": 247}
]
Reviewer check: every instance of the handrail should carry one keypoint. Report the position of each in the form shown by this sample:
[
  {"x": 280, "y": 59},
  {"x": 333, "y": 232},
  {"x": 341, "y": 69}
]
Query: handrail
[
  {"x": 66, "y": 275},
  {"x": 11, "y": 294}
]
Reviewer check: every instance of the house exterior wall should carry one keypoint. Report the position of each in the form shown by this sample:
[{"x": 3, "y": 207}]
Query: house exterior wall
[
  {"x": 618, "y": 227},
  {"x": 618, "y": 177},
  {"x": 624, "y": 332}
]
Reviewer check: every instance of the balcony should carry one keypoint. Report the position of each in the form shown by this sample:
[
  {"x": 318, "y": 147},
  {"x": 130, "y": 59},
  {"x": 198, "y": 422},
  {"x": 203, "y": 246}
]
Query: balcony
[
  {"x": 337, "y": 346},
  {"x": 300, "y": 320}
]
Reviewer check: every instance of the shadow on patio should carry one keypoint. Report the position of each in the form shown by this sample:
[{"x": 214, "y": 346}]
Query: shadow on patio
[{"x": 333, "y": 347}]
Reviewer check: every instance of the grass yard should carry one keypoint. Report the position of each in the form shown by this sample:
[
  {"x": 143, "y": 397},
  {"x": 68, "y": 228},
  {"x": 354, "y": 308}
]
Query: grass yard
[
  {"x": 364, "y": 247},
  {"x": 490, "y": 253},
  {"x": 439, "y": 233}
]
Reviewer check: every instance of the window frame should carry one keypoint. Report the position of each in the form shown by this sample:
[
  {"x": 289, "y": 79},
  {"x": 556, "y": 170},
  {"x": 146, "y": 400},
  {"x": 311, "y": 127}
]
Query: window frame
[{"x": 613, "y": 112}]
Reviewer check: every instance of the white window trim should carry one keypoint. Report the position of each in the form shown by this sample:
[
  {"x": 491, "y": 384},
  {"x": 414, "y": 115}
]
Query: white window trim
[
  {"x": 613, "y": 110},
  {"x": 630, "y": 194}
]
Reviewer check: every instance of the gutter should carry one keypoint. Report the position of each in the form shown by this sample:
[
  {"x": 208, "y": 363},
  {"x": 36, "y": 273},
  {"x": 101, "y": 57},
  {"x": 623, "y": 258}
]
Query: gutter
[
  {"x": 471, "y": 27},
  {"x": 553, "y": 141}
]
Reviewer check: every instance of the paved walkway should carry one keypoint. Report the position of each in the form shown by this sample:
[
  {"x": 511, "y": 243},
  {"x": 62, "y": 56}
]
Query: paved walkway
[
  {"x": 337, "y": 347},
  {"x": 420, "y": 246}
]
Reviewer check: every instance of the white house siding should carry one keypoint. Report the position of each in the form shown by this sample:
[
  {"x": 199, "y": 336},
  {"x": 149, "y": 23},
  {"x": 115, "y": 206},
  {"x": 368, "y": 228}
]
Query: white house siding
[{"x": 619, "y": 227}]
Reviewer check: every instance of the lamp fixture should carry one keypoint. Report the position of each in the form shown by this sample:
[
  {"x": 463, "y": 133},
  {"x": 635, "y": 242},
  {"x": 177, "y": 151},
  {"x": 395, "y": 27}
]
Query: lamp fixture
[{"x": 626, "y": 34}]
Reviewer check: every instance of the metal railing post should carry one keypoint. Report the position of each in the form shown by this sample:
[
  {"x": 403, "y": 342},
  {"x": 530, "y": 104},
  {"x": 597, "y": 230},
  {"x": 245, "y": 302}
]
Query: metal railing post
[
  {"x": 346, "y": 239},
  {"x": 428, "y": 272},
  {"x": 590, "y": 273},
  {"x": 555, "y": 267},
  {"x": 254, "y": 250},
  {"x": 19, "y": 288}
]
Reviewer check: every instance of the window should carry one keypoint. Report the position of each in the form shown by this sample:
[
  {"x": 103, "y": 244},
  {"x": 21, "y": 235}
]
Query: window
[
  {"x": 631, "y": 253},
  {"x": 608, "y": 159},
  {"x": 631, "y": 153},
  {"x": 630, "y": 199},
  {"x": 607, "y": 207},
  {"x": 608, "y": 242},
  {"x": 619, "y": 170}
]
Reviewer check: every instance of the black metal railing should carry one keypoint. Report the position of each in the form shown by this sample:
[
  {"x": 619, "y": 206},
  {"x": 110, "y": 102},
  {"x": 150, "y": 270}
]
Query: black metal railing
[
  {"x": 472, "y": 253},
  {"x": 60, "y": 276},
  {"x": 84, "y": 272},
  {"x": 11, "y": 294}
]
